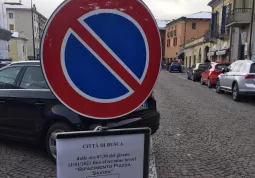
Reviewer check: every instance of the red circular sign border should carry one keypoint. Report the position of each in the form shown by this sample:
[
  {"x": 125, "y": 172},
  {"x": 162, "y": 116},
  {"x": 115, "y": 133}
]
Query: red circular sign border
[{"x": 51, "y": 61}]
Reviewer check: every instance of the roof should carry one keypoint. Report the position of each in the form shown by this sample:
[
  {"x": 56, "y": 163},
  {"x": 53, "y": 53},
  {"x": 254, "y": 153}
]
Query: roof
[
  {"x": 21, "y": 7},
  {"x": 16, "y": 6},
  {"x": 199, "y": 15},
  {"x": 203, "y": 15}
]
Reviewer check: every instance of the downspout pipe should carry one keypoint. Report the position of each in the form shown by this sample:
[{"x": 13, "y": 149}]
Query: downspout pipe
[{"x": 251, "y": 29}]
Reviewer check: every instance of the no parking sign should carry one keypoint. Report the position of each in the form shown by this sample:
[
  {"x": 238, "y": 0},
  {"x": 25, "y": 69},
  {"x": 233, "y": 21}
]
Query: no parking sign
[{"x": 101, "y": 58}]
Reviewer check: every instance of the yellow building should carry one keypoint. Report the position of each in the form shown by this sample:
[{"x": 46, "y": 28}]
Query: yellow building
[
  {"x": 215, "y": 44},
  {"x": 220, "y": 33},
  {"x": 197, "y": 50},
  {"x": 18, "y": 47}
]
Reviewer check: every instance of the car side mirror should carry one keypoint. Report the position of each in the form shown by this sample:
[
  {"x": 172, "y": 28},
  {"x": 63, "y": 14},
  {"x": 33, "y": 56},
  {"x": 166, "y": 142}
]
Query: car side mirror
[{"x": 223, "y": 70}]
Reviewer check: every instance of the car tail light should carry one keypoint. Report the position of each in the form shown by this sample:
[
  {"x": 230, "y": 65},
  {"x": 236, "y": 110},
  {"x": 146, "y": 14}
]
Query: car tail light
[{"x": 248, "y": 76}]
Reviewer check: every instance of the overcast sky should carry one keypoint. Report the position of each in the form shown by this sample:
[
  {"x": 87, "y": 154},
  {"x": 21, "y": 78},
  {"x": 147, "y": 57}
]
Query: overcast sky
[{"x": 162, "y": 9}]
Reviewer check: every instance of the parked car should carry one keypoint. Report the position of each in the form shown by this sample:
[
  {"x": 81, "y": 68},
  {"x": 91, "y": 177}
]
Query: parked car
[
  {"x": 4, "y": 63},
  {"x": 194, "y": 73},
  {"x": 210, "y": 75},
  {"x": 238, "y": 78},
  {"x": 175, "y": 67},
  {"x": 30, "y": 111}
]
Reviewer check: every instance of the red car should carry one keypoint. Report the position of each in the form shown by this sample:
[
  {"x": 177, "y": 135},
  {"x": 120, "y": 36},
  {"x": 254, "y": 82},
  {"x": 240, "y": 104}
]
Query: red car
[{"x": 210, "y": 75}]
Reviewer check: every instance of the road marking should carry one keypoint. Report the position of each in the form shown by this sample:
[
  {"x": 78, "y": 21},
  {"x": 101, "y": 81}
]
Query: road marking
[
  {"x": 152, "y": 165},
  {"x": 182, "y": 77}
]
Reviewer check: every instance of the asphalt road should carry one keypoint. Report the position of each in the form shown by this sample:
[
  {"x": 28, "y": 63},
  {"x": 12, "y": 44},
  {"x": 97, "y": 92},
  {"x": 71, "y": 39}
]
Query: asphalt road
[{"x": 202, "y": 134}]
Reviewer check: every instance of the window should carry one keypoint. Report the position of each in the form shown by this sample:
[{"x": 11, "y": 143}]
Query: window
[
  {"x": 11, "y": 27},
  {"x": 33, "y": 79},
  {"x": 194, "y": 25},
  {"x": 175, "y": 41},
  {"x": 10, "y": 15},
  {"x": 168, "y": 42},
  {"x": 8, "y": 77},
  {"x": 203, "y": 66},
  {"x": 243, "y": 68},
  {"x": 252, "y": 68},
  {"x": 221, "y": 66},
  {"x": 235, "y": 67}
]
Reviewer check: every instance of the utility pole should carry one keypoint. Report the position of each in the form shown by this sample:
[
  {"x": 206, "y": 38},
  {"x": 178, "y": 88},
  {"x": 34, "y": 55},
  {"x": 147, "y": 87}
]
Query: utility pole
[{"x": 33, "y": 28}]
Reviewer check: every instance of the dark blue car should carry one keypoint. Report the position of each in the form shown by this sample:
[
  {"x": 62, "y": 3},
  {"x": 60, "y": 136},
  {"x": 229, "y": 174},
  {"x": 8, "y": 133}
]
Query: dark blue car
[{"x": 175, "y": 67}]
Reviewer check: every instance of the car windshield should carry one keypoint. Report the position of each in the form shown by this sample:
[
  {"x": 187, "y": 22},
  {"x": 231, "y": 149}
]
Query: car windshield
[
  {"x": 176, "y": 64},
  {"x": 252, "y": 68},
  {"x": 203, "y": 66},
  {"x": 221, "y": 66}
]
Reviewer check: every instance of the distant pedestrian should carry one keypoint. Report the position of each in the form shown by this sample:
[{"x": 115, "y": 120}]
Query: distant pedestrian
[{"x": 207, "y": 61}]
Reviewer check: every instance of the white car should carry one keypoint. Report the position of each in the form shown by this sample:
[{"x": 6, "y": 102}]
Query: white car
[{"x": 238, "y": 78}]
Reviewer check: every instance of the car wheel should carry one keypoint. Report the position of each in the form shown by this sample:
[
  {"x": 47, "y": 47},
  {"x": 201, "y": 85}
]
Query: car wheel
[
  {"x": 235, "y": 92},
  {"x": 209, "y": 84},
  {"x": 201, "y": 81},
  {"x": 51, "y": 137},
  {"x": 218, "y": 88}
]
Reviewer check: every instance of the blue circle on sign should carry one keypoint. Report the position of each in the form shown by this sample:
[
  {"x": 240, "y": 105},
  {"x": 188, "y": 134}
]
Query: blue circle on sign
[{"x": 86, "y": 71}]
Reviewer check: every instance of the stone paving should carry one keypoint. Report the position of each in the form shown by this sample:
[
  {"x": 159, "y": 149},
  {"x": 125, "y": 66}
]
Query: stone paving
[{"x": 202, "y": 134}]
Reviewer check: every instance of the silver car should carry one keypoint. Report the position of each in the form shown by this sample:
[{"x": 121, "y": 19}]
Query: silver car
[{"x": 238, "y": 78}]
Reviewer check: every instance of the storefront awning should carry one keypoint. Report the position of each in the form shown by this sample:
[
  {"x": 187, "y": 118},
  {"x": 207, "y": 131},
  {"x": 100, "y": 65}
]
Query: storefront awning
[
  {"x": 5, "y": 35},
  {"x": 221, "y": 52},
  {"x": 180, "y": 56},
  {"x": 212, "y": 53}
]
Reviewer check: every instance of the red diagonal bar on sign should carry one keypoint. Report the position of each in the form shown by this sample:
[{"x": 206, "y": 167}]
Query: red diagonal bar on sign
[{"x": 100, "y": 50}]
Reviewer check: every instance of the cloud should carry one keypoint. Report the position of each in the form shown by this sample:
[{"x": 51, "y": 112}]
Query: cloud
[{"x": 162, "y": 9}]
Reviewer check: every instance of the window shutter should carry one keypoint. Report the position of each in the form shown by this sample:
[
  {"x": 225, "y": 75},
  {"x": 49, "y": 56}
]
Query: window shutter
[
  {"x": 213, "y": 24},
  {"x": 223, "y": 20}
]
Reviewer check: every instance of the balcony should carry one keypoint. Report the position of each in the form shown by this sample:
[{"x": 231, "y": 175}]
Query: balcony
[{"x": 239, "y": 17}]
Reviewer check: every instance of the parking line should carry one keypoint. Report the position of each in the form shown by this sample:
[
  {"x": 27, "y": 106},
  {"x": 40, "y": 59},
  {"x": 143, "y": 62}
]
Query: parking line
[
  {"x": 182, "y": 77},
  {"x": 152, "y": 165}
]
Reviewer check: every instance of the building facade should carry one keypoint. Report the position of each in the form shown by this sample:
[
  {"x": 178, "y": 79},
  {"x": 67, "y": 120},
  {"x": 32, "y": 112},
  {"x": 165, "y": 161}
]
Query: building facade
[
  {"x": 25, "y": 20},
  {"x": 182, "y": 30},
  {"x": 220, "y": 33},
  {"x": 18, "y": 47},
  {"x": 252, "y": 35},
  {"x": 197, "y": 50},
  {"x": 239, "y": 20},
  {"x": 5, "y": 34}
]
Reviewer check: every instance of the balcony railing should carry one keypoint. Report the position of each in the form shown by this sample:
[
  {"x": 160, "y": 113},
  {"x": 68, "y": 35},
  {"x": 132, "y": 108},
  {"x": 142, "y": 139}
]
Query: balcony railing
[{"x": 238, "y": 15}]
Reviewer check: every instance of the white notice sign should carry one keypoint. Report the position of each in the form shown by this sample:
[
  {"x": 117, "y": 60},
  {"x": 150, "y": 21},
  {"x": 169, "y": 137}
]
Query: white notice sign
[{"x": 98, "y": 155}]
